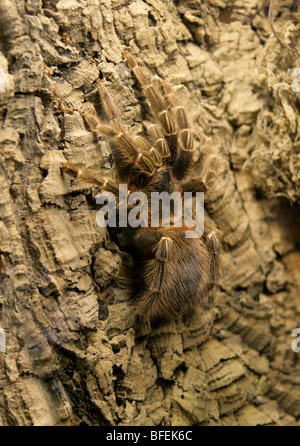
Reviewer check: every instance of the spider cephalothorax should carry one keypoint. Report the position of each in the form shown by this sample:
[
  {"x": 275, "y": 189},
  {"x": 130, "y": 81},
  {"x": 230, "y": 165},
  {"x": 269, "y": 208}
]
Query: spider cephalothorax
[{"x": 177, "y": 273}]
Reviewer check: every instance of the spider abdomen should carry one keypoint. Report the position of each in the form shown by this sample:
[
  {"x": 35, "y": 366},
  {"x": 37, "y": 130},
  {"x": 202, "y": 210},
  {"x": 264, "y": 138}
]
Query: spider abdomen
[{"x": 174, "y": 280}]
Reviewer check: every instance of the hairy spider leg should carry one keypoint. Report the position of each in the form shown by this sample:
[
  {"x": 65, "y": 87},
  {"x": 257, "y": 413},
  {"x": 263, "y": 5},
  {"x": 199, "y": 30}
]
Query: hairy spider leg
[
  {"x": 204, "y": 181},
  {"x": 133, "y": 163},
  {"x": 157, "y": 105},
  {"x": 185, "y": 135},
  {"x": 158, "y": 141},
  {"x": 214, "y": 250},
  {"x": 91, "y": 177}
]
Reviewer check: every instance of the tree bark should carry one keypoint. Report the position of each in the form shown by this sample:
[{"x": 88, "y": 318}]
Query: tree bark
[{"x": 71, "y": 354}]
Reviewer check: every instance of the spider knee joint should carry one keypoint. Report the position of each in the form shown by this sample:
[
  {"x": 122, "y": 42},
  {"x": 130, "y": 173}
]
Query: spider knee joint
[
  {"x": 163, "y": 249},
  {"x": 213, "y": 241}
]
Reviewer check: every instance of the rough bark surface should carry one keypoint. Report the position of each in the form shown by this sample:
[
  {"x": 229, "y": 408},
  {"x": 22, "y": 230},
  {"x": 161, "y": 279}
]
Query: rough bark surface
[{"x": 72, "y": 355}]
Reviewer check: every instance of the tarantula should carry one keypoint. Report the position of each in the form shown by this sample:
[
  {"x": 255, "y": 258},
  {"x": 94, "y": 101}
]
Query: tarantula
[{"x": 176, "y": 273}]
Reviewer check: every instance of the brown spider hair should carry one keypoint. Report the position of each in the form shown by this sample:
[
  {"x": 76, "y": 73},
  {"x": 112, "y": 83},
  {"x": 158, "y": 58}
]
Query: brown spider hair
[{"x": 176, "y": 273}]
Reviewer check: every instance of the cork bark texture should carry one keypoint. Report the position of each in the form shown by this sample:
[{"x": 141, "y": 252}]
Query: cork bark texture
[{"x": 72, "y": 355}]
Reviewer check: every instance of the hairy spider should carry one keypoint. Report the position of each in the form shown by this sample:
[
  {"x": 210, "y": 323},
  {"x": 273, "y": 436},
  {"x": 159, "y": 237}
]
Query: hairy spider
[{"x": 176, "y": 273}]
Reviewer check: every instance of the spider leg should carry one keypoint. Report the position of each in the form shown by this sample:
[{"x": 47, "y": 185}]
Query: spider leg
[
  {"x": 158, "y": 106},
  {"x": 184, "y": 135},
  {"x": 155, "y": 243},
  {"x": 151, "y": 149},
  {"x": 104, "y": 184},
  {"x": 204, "y": 181},
  {"x": 214, "y": 250},
  {"x": 131, "y": 157},
  {"x": 158, "y": 141},
  {"x": 213, "y": 244},
  {"x": 91, "y": 177}
]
